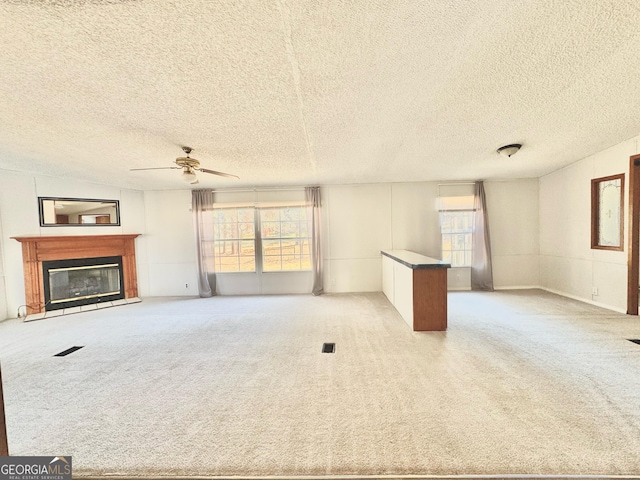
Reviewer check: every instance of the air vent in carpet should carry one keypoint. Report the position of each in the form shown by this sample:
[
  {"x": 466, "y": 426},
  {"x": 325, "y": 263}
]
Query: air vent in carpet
[
  {"x": 67, "y": 351},
  {"x": 328, "y": 347}
]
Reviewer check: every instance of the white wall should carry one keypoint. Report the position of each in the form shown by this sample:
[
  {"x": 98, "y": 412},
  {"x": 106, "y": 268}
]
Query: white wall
[
  {"x": 513, "y": 210},
  {"x": 357, "y": 225},
  {"x": 358, "y": 222},
  {"x": 171, "y": 262},
  {"x": 19, "y": 216},
  {"x": 361, "y": 220},
  {"x": 171, "y": 258},
  {"x": 415, "y": 224},
  {"x": 568, "y": 265}
]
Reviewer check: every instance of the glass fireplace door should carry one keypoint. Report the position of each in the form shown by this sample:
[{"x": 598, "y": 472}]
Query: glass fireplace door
[{"x": 70, "y": 283}]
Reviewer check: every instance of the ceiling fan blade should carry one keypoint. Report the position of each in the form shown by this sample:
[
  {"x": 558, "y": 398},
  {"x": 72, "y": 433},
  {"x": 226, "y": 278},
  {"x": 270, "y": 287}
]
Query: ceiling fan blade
[
  {"x": 222, "y": 174},
  {"x": 155, "y": 168}
]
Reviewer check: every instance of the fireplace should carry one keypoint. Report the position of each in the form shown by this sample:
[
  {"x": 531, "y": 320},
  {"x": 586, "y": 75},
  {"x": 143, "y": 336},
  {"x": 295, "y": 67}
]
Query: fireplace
[
  {"x": 82, "y": 281},
  {"x": 38, "y": 251}
]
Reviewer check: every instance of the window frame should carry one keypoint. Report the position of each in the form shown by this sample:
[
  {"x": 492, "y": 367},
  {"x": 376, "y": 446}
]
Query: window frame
[
  {"x": 238, "y": 239},
  {"x": 281, "y": 238},
  {"x": 597, "y": 217},
  {"x": 452, "y": 250},
  {"x": 258, "y": 239}
]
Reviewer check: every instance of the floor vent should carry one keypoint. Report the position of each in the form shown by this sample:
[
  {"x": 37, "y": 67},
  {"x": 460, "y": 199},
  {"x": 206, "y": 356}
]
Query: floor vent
[
  {"x": 328, "y": 348},
  {"x": 67, "y": 351},
  {"x": 634, "y": 340}
]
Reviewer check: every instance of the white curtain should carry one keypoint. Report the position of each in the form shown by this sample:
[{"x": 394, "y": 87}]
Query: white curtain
[
  {"x": 481, "y": 270},
  {"x": 312, "y": 195},
  {"x": 202, "y": 207}
]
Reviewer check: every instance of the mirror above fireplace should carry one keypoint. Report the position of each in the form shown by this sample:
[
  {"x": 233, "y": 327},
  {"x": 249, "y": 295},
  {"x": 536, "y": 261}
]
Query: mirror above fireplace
[{"x": 56, "y": 212}]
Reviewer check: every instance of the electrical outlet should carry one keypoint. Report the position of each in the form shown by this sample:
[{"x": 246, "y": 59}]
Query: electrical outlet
[
  {"x": 333, "y": 282},
  {"x": 594, "y": 291},
  {"x": 186, "y": 285}
]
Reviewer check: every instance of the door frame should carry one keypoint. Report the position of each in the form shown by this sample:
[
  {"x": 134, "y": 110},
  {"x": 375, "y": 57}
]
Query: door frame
[
  {"x": 4, "y": 443},
  {"x": 633, "y": 262}
]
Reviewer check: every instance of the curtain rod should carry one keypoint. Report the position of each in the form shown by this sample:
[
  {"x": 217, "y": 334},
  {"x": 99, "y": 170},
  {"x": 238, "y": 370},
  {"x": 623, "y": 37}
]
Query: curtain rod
[
  {"x": 267, "y": 189},
  {"x": 259, "y": 189},
  {"x": 457, "y": 183}
]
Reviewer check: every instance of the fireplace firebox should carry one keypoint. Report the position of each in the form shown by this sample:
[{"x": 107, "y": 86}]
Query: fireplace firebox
[{"x": 82, "y": 281}]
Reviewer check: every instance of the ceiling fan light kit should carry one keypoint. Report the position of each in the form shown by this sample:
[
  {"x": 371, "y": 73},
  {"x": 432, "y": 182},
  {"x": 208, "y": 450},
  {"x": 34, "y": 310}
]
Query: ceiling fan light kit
[
  {"x": 509, "y": 150},
  {"x": 188, "y": 175}
]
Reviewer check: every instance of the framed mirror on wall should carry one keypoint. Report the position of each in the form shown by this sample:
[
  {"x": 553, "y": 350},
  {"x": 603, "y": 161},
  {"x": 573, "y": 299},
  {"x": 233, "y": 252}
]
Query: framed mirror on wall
[
  {"x": 607, "y": 213},
  {"x": 85, "y": 212}
]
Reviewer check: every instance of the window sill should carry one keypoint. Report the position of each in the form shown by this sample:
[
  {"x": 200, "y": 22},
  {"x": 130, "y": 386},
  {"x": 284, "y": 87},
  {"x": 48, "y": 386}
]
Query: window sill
[
  {"x": 269, "y": 272},
  {"x": 288, "y": 271}
]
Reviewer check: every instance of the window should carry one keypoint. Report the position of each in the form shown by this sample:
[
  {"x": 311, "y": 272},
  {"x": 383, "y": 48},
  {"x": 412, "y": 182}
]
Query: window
[
  {"x": 281, "y": 242},
  {"x": 456, "y": 227},
  {"x": 457, "y": 235},
  {"x": 285, "y": 239},
  {"x": 234, "y": 239},
  {"x": 607, "y": 213}
]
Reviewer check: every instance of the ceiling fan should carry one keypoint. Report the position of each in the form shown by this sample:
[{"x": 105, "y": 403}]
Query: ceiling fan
[{"x": 189, "y": 166}]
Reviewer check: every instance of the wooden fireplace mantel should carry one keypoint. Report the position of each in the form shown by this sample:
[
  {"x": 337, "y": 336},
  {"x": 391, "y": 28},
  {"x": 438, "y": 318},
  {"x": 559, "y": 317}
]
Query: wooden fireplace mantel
[{"x": 36, "y": 249}]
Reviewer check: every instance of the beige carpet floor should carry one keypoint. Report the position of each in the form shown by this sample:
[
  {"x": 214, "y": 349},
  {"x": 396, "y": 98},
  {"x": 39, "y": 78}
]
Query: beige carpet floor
[{"x": 521, "y": 383}]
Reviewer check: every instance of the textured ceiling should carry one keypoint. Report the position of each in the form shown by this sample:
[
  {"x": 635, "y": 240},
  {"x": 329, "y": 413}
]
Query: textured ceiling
[{"x": 289, "y": 92}]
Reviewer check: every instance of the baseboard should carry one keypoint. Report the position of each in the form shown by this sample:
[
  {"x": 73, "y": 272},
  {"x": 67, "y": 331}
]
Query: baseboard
[
  {"x": 520, "y": 287},
  {"x": 584, "y": 300},
  {"x": 557, "y": 292}
]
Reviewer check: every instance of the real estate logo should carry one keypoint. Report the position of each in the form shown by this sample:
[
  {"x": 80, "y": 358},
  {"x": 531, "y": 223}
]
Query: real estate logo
[{"x": 35, "y": 468}]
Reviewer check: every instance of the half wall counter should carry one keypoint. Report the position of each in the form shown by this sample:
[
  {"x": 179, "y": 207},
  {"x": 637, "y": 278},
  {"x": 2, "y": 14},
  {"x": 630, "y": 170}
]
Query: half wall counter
[{"x": 416, "y": 286}]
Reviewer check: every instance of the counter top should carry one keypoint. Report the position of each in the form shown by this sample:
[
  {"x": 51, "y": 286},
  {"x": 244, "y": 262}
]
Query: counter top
[{"x": 414, "y": 260}]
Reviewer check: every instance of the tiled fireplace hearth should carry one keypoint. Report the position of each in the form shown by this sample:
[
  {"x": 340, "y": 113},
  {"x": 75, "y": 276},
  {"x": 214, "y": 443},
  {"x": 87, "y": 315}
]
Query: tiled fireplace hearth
[{"x": 67, "y": 271}]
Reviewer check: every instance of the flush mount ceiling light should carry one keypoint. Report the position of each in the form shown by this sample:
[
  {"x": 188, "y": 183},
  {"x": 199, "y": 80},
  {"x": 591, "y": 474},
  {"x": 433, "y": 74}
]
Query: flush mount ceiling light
[{"x": 509, "y": 150}]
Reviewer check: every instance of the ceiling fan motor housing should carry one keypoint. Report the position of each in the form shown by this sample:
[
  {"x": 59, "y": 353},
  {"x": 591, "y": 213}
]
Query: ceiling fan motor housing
[{"x": 187, "y": 162}]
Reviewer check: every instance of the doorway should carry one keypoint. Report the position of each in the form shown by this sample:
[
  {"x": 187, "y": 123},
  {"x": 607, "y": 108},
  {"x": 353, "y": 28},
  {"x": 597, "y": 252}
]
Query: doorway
[{"x": 633, "y": 263}]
